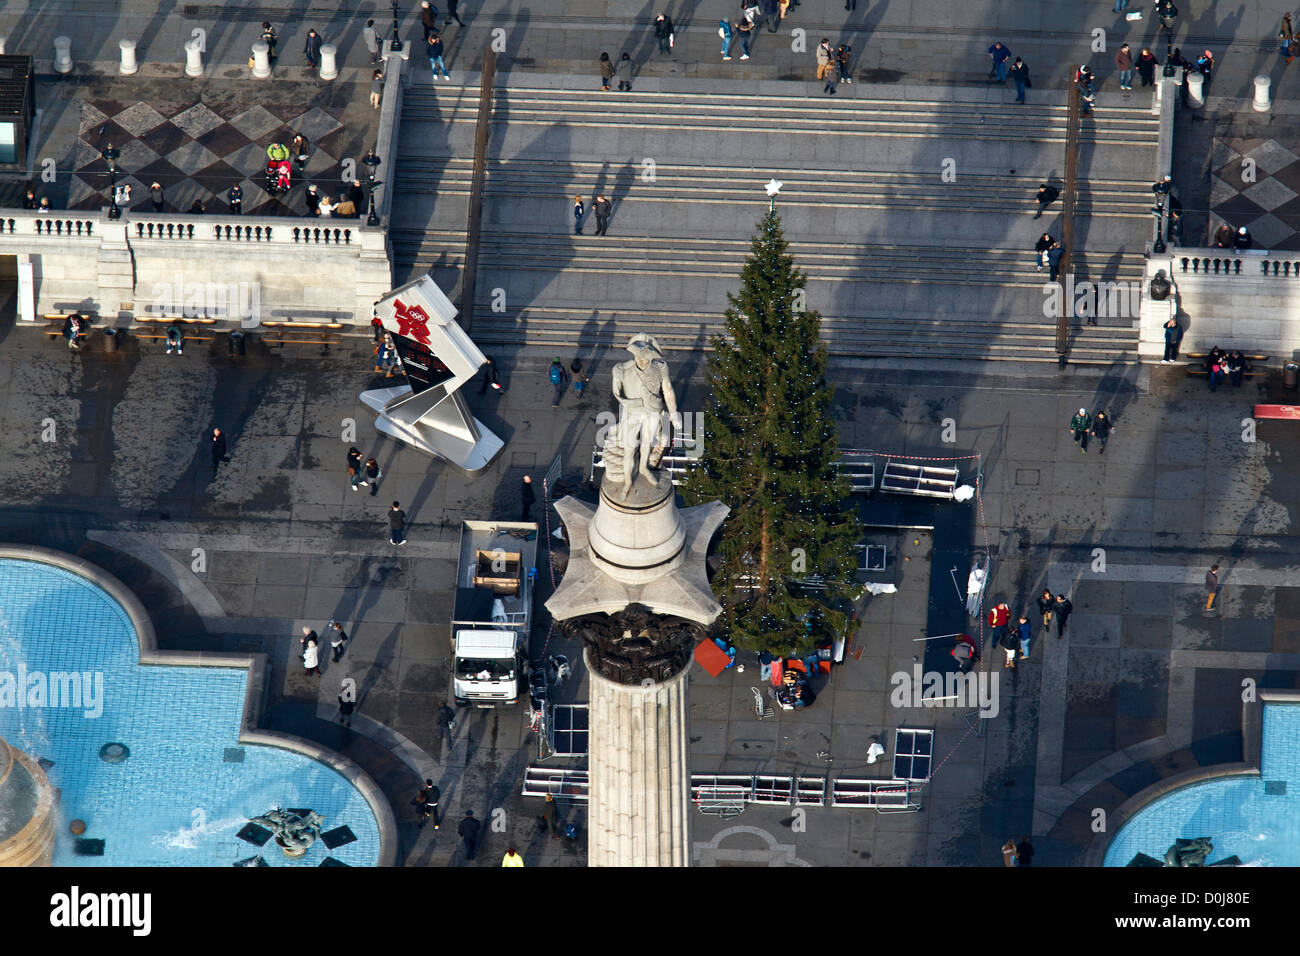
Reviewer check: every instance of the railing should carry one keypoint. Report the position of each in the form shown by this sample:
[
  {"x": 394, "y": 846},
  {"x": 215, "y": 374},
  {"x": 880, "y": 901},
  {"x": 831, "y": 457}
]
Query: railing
[
  {"x": 1231, "y": 263},
  {"x": 173, "y": 228}
]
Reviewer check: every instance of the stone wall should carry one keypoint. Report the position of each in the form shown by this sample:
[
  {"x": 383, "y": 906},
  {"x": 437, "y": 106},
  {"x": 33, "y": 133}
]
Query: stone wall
[{"x": 312, "y": 269}]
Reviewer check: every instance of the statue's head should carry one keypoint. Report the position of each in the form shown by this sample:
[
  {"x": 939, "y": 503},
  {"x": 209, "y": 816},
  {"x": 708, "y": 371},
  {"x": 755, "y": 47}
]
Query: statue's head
[{"x": 644, "y": 349}]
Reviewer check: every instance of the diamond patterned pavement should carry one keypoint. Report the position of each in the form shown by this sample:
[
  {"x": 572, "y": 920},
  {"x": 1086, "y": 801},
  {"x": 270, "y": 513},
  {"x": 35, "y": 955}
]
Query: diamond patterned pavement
[
  {"x": 1270, "y": 205},
  {"x": 199, "y": 150}
]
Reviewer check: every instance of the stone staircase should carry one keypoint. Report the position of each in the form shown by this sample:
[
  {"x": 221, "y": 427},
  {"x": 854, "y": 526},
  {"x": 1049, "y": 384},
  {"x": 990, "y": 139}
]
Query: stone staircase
[{"x": 900, "y": 262}]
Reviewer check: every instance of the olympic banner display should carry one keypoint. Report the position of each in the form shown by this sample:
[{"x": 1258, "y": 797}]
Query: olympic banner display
[{"x": 434, "y": 350}]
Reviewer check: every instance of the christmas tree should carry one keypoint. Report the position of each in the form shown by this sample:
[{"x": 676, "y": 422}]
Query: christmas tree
[{"x": 786, "y": 561}]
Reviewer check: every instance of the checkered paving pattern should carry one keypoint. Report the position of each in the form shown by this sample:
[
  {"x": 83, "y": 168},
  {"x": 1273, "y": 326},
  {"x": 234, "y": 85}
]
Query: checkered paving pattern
[
  {"x": 200, "y": 150},
  {"x": 1270, "y": 205}
]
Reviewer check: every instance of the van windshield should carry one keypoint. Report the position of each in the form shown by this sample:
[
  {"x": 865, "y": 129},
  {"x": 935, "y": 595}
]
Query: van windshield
[{"x": 482, "y": 668}]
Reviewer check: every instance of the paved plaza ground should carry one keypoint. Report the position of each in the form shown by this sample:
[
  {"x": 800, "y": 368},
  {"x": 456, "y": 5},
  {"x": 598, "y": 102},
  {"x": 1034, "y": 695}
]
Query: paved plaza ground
[{"x": 1144, "y": 683}]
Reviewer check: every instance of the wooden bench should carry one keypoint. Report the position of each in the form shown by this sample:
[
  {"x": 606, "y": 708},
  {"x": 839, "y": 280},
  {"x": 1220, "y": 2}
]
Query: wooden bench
[
  {"x": 177, "y": 319},
  {"x": 1198, "y": 370},
  {"x": 156, "y": 321},
  {"x": 302, "y": 332},
  {"x": 54, "y": 324},
  {"x": 1249, "y": 358}
]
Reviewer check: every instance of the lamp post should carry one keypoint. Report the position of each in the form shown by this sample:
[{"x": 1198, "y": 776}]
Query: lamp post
[
  {"x": 110, "y": 155},
  {"x": 397, "y": 42},
  {"x": 372, "y": 163},
  {"x": 1161, "y": 190}
]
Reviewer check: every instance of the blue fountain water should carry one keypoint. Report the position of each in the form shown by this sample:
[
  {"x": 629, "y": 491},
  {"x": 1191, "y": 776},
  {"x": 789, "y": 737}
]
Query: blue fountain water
[
  {"x": 188, "y": 786},
  {"x": 1254, "y": 818}
]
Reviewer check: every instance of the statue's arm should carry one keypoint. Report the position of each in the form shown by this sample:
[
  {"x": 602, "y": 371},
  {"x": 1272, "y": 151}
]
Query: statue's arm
[{"x": 670, "y": 397}]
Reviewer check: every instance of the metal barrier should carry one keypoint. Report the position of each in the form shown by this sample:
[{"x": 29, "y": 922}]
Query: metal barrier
[
  {"x": 883, "y": 796},
  {"x": 560, "y": 783},
  {"x": 932, "y": 481}
]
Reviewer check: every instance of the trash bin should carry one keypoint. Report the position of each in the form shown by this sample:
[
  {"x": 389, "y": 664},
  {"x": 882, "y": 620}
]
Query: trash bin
[
  {"x": 1291, "y": 375},
  {"x": 110, "y": 340}
]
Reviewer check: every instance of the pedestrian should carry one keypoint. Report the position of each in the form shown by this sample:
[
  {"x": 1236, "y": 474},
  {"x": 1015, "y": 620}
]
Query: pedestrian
[
  {"x": 579, "y": 210},
  {"x": 452, "y": 14},
  {"x": 1041, "y": 248},
  {"x": 1167, "y": 13},
  {"x": 606, "y": 71},
  {"x": 1046, "y": 603},
  {"x": 326, "y": 207},
  {"x": 1214, "y": 368},
  {"x": 625, "y": 73},
  {"x": 999, "y": 55},
  {"x": 1009, "y": 852},
  {"x": 197, "y": 208},
  {"x": 724, "y": 31},
  {"x": 122, "y": 196},
  {"x": 312, "y": 49},
  {"x": 1024, "y": 852},
  {"x": 602, "y": 207},
  {"x": 1062, "y": 609},
  {"x": 1046, "y": 196},
  {"x": 490, "y": 376},
  {"x": 29, "y": 200},
  {"x": 346, "y": 706},
  {"x": 372, "y": 476},
  {"x": 427, "y": 801},
  {"x": 1024, "y": 634},
  {"x": 551, "y": 812},
  {"x": 825, "y": 58},
  {"x": 74, "y": 330},
  {"x": 1120, "y": 5},
  {"x": 1211, "y": 586},
  {"x": 664, "y": 32},
  {"x": 376, "y": 91},
  {"x": 1184, "y": 67},
  {"x": 1238, "y": 366},
  {"x": 422, "y": 809},
  {"x": 512, "y": 858},
  {"x": 745, "y": 27},
  {"x": 354, "y": 468},
  {"x": 772, "y": 11},
  {"x": 428, "y": 18},
  {"x": 1173, "y": 337},
  {"x": 374, "y": 41},
  {"x": 1243, "y": 239},
  {"x": 965, "y": 652},
  {"x": 386, "y": 356},
  {"x": 445, "y": 720},
  {"x": 397, "y": 524},
  {"x": 999, "y": 616},
  {"x": 469, "y": 830},
  {"x": 1101, "y": 429},
  {"x": 338, "y": 640},
  {"x": 235, "y": 199},
  {"x": 356, "y": 194},
  {"x": 1054, "y": 256},
  {"x": 1080, "y": 425},
  {"x": 1205, "y": 66},
  {"x": 527, "y": 497},
  {"x": 218, "y": 448},
  {"x": 1020, "y": 76},
  {"x": 270, "y": 38},
  {"x": 312, "y": 199},
  {"x": 436, "y": 65},
  {"x": 311, "y": 658},
  {"x": 307, "y": 635},
  {"x": 1285, "y": 35},
  {"x": 175, "y": 339},
  {"x": 579, "y": 379},
  {"x": 1146, "y": 66},
  {"x": 156, "y": 196},
  {"x": 1010, "y": 643},
  {"x": 843, "y": 60},
  {"x": 559, "y": 378},
  {"x": 1087, "y": 94},
  {"x": 301, "y": 150},
  {"x": 46, "y": 207},
  {"x": 1124, "y": 63},
  {"x": 344, "y": 208},
  {"x": 1223, "y": 237}
]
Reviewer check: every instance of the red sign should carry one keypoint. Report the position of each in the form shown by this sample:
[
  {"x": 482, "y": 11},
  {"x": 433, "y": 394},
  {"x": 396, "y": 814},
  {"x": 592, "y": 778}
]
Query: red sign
[
  {"x": 1289, "y": 413},
  {"x": 412, "y": 321}
]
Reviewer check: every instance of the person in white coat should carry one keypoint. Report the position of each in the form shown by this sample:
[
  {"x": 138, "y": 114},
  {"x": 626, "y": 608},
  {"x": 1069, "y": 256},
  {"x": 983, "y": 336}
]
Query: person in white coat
[{"x": 311, "y": 658}]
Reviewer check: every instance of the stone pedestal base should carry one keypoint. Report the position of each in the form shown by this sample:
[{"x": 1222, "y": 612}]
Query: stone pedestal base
[
  {"x": 26, "y": 811},
  {"x": 639, "y": 808}
]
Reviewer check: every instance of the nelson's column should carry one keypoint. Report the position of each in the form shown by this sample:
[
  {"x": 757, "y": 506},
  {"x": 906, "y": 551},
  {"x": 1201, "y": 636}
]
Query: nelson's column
[{"x": 637, "y": 594}]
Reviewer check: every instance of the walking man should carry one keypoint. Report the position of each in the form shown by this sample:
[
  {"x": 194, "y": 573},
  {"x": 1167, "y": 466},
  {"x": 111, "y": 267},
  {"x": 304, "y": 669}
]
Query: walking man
[
  {"x": 1101, "y": 429},
  {"x": 825, "y": 57},
  {"x": 999, "y": 54},
  {"x": 1062, "y": 608},
  {"x": 311, "y": 658},
  {"x": 436, "y": 65},
  {"x": 490, "y": 377},
  {"x": 559, "y": 378},
  {"x": 397, "y": 524},
  {"x": 1211, "y": 586},
  {"x": 432, "y": 794},
  {"x": 235, "y": 199},
  {"x": 271, "y": 38},
  {"x": 445, "y": 720},
  {"x": 156, "y": 196},
  {"x": 1285, "y": 35},
  {"x": 772, "y": 10},
  {"x": 452, "y": 6},
  {"x": 724, "y": 31},
  {"x": 354, "y": 468},
  {"x": 999, "y": 617},
  {"x": 1173, "y": 337},
  {"x": 1046, "y": 196},
  {"x": 527, "y": 496},
  {"x": 745, "y": 27},
  {"x": 1025, "y": 633},
  {"x": 374, "y": 41},
  {"x": 1124, "y": 63},
  {"x": 1080, "y": 424},
  {"x": 1045, "y": 605},
  {"x": 552, "y": 815},
  {"x": 312, "y": 48},
  {"x": 338, "y": 640},
  {"x": 1020, "y": 76},
  {"x": 664, "y": 32},
  {"x": 602, "y": 208},
  {"x": 218, "y": 450},
  {"x": 512, "y": 858},
  {"x": 469, "y": 830},
  {"x": 428, "y": 19}
]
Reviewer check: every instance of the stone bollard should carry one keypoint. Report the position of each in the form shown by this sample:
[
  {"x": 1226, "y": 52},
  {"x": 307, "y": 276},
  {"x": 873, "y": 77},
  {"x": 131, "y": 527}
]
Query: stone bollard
[
  {"x": 261, "y": 59},
  {"x": 1262, "y": 103},
  {"x": 328, "y": 68},
  {"x": 128, "y": 66},
  {"x": 62, "y": 55},
  {"x": 1195, "y": 83},
  {"x": 193, "y": 58}
]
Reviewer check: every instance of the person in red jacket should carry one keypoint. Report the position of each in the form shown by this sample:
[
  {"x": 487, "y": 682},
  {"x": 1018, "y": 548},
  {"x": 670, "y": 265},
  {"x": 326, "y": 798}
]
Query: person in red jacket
[{"x": 999, "y": 616}]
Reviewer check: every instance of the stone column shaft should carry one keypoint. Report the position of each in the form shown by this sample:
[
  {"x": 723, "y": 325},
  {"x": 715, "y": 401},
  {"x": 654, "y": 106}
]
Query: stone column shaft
[{"x": 639, "y": 808}]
